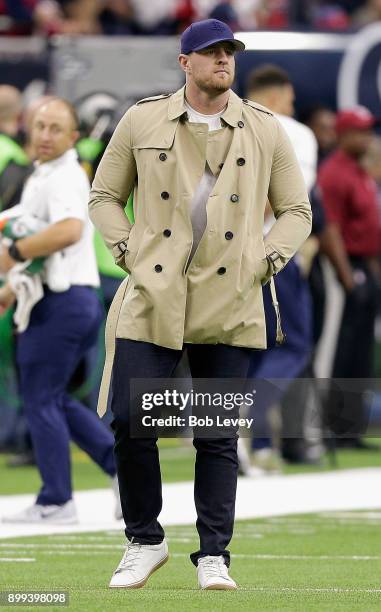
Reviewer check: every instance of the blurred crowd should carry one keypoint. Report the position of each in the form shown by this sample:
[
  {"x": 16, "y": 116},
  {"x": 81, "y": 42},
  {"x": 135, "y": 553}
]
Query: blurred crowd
[{"x": 165, "y": 17}]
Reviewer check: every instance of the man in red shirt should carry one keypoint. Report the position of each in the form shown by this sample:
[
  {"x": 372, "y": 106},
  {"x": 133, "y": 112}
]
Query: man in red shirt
[{"x": 351, "y": 204}]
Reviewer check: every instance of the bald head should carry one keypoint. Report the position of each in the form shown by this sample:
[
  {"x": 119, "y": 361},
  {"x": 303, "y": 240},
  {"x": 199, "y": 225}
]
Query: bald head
[
  {"x": 31, "y": 109},
  {"x": 59, "y": 105},
  {"x": 10, "y": 109},
  {"x": 54, "y": 129}
]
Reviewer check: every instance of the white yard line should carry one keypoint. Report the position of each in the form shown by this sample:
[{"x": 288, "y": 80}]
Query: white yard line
[
  {"x": 353, "y": 516},
  {"x": 16, "y": 559},
  {"x": 339, "y": 490},
  {"x": 90, "y": 548}
]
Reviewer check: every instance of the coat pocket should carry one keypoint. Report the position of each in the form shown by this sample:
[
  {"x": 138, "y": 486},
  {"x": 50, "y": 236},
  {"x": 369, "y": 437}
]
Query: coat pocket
[
  {"x": 131, "y": 251},
  {"x": 261, "y": 274}
]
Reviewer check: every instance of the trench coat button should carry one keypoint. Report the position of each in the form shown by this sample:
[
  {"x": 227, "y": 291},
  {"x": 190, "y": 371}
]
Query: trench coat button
[
  {"x": 221, "y": 270},
  {"x": 162, "y": 156},
  {"x": 167, "y": 233},
  {"x": 234, "y": 197},
  {"x": 164, "y": 195},
  {"x": 158, "y": 268},
  {"x": 241, "y": 161},
  {"x": 241, "y": 124},
  {"x": 229, "y": 235}
]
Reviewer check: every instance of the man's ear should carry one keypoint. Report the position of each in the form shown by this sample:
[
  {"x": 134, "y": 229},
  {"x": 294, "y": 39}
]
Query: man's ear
[
  {"x": 184, "y": 62},
  {"x": 75, "y": 136}
]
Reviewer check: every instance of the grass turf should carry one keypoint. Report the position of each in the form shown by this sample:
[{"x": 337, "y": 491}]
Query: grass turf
[
  {"x": 177, "y": 464},
  {"x": 327, "y": 561}
]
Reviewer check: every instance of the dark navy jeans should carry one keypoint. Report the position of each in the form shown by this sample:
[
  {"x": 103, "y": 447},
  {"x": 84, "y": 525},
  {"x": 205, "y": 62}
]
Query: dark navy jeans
[
  {"x": 63, "y": 326},
  {"x": 137, "y": 459}
]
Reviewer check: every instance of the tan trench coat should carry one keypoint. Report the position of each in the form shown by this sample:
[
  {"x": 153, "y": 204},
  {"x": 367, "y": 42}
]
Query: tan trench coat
[{"x": 159, "y": 154}]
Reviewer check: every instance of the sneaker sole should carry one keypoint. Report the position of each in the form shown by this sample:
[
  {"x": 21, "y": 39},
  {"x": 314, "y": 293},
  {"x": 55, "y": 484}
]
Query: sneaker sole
[{"x": 139, "y": 585}]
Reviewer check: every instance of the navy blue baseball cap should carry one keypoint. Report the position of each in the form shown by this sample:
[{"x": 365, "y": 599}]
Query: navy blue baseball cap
[{"x": 202, "y": 34}]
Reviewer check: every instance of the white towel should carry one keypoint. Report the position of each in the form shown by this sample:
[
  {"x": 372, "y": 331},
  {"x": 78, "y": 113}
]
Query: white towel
[
  {"x": 28, "y": 290},
  {"x": 27, "y": 287}
]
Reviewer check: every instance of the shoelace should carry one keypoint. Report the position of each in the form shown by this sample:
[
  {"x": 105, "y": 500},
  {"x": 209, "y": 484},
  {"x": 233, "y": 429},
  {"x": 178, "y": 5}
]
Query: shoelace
[
  {"x": 130, "y": 557},
  {"x": 214, "y": 567}
]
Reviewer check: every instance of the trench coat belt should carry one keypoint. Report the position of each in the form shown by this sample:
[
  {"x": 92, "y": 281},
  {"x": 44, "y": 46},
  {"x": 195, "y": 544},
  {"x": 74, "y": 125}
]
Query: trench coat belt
[
  {"x": 280, "y": 336},
  {"x": 110, "y": 336}
]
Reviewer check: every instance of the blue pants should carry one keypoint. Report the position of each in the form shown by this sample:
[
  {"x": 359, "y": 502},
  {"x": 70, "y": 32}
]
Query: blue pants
[
  {"x": 138, "y": 458},
  {"x": 63, "y": 326}
]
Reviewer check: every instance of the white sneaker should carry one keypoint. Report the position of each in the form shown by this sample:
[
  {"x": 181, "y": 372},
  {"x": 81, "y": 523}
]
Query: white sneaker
[
  {"x": 64, "y": 514},
  {"x": 212, "y": 573},
  {"x": 138, "y": 563},
  {"x": 118, "y": 507}
]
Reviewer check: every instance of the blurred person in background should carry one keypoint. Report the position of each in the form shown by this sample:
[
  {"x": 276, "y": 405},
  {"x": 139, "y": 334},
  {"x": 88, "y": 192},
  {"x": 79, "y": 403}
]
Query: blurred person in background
[
  {"x": 270, "y": 86},
  {"x": 323, "y": 14},
  {"x": 350, "y": 197},
  {"x": 22, "y": 446},
  {"x": 272, "y": 14},
  {"x": 246, "y": 14},
  {"x": 14, "y": 169},
  {"x": 153, "y": 19},
  {"x": 49, "y": 17},
  {"x": 17, "y": 17},
  {"x": 14, "y": 163},
  {"x": 64, "y": 322},
  {"x": 97, "y": 115},
  {"x": 115, "y": 17},
  {"x": 328, "y": 16},
  {"x": 322, "y": 121},
  {"x": 79, "y": 16},
  {"x": 226, "y": 12}
]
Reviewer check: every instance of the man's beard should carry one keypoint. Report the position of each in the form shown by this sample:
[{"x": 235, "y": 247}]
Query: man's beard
[{"x": 214, "y": 86}]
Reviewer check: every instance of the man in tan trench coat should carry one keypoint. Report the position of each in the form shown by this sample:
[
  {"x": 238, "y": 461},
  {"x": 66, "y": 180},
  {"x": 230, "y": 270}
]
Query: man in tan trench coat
[{"x": 202, "y": 164}]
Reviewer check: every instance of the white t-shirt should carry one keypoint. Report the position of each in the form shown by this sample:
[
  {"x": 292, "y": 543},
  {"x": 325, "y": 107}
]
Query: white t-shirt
[
  {"x": 208, "y": 180},
  {"x": 305, "y": 146},
  {"x": 58, "y": 190}
]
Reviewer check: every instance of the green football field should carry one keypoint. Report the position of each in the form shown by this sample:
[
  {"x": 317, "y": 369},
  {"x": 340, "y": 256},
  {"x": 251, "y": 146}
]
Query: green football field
[
  {"x": 327, "y": 561},
  {"x": 320, "y": 562}
]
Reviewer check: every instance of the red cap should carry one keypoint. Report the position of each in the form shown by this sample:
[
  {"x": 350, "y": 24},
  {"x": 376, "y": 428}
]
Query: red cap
[{"x": 357, "y": 118}]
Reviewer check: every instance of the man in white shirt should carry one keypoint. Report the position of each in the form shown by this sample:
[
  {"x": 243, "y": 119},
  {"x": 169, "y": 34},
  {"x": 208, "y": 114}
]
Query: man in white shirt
[
  {"x": 270, "y": 86},
  {"x": 64, "y": 324}
]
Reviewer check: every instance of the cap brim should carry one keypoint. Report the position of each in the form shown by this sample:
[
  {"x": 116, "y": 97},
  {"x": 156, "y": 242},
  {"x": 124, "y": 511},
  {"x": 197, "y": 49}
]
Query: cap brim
[{"x": 237, "y": 44}]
